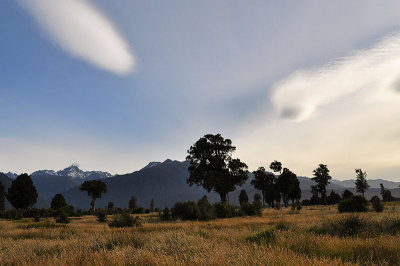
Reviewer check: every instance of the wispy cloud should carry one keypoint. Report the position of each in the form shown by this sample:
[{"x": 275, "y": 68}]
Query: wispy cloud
[
  {"x": 82, "y": 30},
  {"x": 376, "y": 70}
]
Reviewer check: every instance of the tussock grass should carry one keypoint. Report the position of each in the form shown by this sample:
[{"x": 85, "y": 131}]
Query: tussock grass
[{"x": 311, "y": 237}]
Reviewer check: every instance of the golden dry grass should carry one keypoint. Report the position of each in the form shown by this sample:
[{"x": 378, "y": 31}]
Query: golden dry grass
[{"x": 87, "y": 242}]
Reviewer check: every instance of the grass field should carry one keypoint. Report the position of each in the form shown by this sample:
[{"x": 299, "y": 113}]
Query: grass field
[{"x": 280, "y": 237}]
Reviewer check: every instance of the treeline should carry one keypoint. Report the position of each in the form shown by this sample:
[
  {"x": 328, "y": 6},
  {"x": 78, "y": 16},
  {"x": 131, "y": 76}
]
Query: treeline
[{"x": 212, "y": 167}]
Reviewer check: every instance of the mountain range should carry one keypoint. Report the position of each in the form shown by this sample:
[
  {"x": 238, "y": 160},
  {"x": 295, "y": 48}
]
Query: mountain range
[{"x": 165, "y": 182}]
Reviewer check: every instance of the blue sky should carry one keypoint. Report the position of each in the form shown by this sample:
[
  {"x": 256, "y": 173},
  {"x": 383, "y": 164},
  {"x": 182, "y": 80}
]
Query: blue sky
[{"x": 113, "y": 85}]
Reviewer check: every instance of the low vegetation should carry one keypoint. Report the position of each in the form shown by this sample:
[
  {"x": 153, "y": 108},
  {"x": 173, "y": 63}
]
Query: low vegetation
[{"x": 312, "y": 236}]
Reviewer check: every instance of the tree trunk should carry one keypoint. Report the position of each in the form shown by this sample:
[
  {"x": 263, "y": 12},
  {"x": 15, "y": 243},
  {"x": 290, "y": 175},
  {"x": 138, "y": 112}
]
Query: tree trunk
[
  {"x": 92, "y": 205},
  {"x": 224, "y": 198}
]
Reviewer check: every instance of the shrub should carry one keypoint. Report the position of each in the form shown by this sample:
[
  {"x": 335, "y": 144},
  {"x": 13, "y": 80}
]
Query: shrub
[
  {"x": 166, "y": 215},
  {"x": 268, "y": 236},
  {"x": 252, "y": 209},
  {"x": 377, "y": 204},
  {"x": 101, "y": 216},
  {"x": 207, "y": 211},
  {"x": 63, "y": 218},
  {"x": 124, "y": 220},
  {"x": 185, "y": 211},
  {"x": 355, "y": 203},
  {"x": 224, "y": 211},
  {"x": 36, "y": 218}
]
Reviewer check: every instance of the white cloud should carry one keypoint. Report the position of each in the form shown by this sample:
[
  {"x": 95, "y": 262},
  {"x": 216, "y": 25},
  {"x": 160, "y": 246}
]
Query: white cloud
[
  {"x": 376, "y": 70},
  {"x": 84, "y": 32}
]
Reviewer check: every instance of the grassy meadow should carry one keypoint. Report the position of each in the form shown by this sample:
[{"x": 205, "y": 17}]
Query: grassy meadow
[{"x": 312, "y": 236}]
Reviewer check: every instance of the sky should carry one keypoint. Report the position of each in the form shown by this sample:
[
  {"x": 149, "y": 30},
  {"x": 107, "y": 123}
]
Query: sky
[{"x": 113, "y": 85}]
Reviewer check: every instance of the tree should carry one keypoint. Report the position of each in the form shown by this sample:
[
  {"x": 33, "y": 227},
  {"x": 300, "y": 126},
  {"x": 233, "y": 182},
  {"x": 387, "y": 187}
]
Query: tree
[
  {"x": 276, "y": 166},
  {"x": 212, "y": 166},
  {"x": 58, "y": 202},
  {"x": 347, "y": 194},
  {"x": 386, "y": 194},
  {"x": 94, "y": 189},
  {"x": 287, "y": 184},
  {"x": 361, "y": 181},
  {"x": 322, "y": 178},
  {"x": 243, "y": 198},
  {"x": 2, "y": 198},
  {"x": 110, "y": 205},
  {"x": 334, "y": 198},
  {"x": 152, "y": 205},
  {"x": 132, "y": 203},
  {"x": 257, "y": 197},
  {"x": 22, "y": 194},
  {"x": 265, "y": 182}
]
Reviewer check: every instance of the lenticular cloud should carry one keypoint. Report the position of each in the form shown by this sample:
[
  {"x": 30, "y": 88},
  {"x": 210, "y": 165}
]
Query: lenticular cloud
[
  {"x": 376, "y": 70},
  {"x": 84, "y": 32}
]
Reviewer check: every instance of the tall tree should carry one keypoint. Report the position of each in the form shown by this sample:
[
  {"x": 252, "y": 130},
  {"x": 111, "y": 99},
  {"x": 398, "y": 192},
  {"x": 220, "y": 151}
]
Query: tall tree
[
  {"x": 94, "y": 189},
  {"x": 386, "y": 194},
  {"x": 212, "y": 166},
  {"x": 322, "y": 178},
  {"x": 265, "y": 182},
  {"x": 243, "y": 197},
  {"x": 276, "y": 166},
  {"x": 132, "y": 203},
  {"x": 22, "y": 194},
  {"x": 58, "y": 202},
  {"x": 152, "y": 205},
  {"x": 2, "y": 198},
  {"x": 287, "y": 182},
  {"x": 361, "y": 181}
]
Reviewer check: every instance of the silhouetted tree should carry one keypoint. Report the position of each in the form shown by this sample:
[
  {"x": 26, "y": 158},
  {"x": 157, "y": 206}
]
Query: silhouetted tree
[
  {"x": 212, "y": 166},
  {"x": 334, "y": 198},
  {"x": 110, "y": 205},
  {"x": 132, "y": 203},
  {"x": 347, "y": 194},
  {"x": 386, "y": 194},
  {"x": 58, "y": 202},
  {"x": 361, "y": 181},
  {"x": 152, "y": 205},
  {"x": 265, "y": 182},
  {"x": 257, "y": 197},
  {"x": 22, "y": 194},
  {"x": 295, "y": 193},
  {"x": 322, "y": 178},
  {"x": 243, "y": 198},
  {"x": 287, "y": 182},
  {"x": 94, "y": 189},
  {"x": 276, "y": 166},
  {"x": 2, "y": 198}
]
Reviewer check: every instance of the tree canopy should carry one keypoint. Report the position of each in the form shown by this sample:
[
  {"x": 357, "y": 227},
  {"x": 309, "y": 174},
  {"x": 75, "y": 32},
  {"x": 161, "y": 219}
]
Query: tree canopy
[
  {"x": 94, "y": 189},
  {"x": 361, "y": 181},
  {"x": 22, "y": 194},
  {"x": 58, "y": 202},
  {"x": 322, "y": 178},
  {"x": 213, "y": 168},
  {"x": 265, "y": 182}
]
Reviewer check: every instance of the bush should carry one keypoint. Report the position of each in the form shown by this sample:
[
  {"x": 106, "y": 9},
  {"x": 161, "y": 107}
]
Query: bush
[
  {"x": 252, "y": 209},
  {"x": 355, "y": 203},
  {"x": 166, "y": 215},
  {"x": 377, "y": 204},
  {"x": 63, "y": 218},
  {"x": 268, "y": 236},
  {"x": 36, "y": 218},
  {"x": 124, "y": 220},
  {"x": 186, "y": 211},
  {"x": 101, "y": 216},
  {"x": 207, "y": 211},
  {"x": 224, "y": 211}
]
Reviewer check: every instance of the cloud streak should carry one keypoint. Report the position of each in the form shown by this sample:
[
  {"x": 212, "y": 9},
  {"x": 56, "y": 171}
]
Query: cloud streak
[
  {"x": 375, "y": 70},
  {"x": 84, "y": 32}
]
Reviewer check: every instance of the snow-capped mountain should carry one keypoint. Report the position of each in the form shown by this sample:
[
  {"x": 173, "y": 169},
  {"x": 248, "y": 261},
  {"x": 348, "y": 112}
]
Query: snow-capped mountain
[
  {"x": 150, "y": 164},
  {"x": 74, "y": 172}
]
